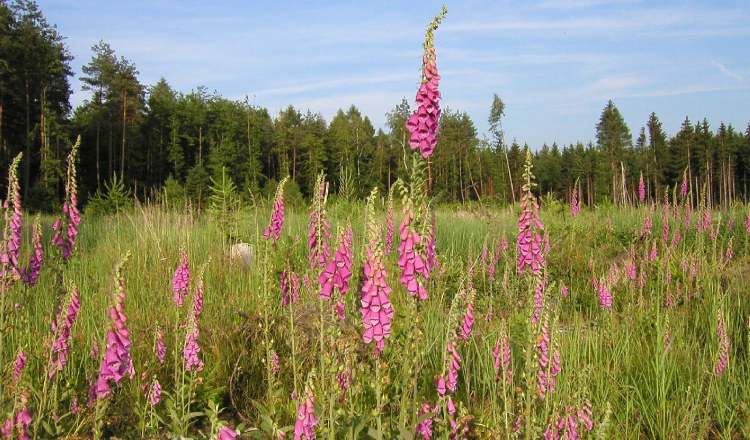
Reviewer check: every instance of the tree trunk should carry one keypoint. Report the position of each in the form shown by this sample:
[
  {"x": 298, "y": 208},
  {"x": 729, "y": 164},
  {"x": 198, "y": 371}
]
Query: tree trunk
[
  {"x": 510, "y": 176},
  {"x": 124, "y": 130},
  {"x": 27, "y": 162}
]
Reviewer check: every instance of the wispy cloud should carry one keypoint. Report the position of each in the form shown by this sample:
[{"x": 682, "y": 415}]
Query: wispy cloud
[
  {"x": 580, "y": 4},
  {"x": 726, "y": 71}
]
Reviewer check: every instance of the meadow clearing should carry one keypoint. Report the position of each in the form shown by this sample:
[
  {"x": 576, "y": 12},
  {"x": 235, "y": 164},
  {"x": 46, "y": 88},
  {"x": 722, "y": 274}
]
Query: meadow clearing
[{"x": 639, "y": 329}]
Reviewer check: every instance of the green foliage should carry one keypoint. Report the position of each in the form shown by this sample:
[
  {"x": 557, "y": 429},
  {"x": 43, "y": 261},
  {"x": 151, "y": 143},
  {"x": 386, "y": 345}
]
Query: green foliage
[
  {"x": 197, "y": 185},
  {"x": 224, "y": 204},
  {"x": 115, "y": 198}
]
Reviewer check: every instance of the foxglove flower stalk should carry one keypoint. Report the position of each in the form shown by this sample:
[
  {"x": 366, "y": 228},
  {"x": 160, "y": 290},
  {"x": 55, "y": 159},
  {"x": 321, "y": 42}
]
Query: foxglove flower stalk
[
  {"x": 18, "y": 423},
  {"x": 116, "y": 362},
  {"x": 61, "y": 330},
  {"x": 452, "y": 367},
  {"x": 529, "y": 243},
  {"x": 30, "y": 274},
  {"x": 424, "y": 123},
  {"x": 198, "y": 296},
  {"x": 66, "y": 227},
  {"x": 747, "y": 223},
  {"x": 275, "y": 362},
  {"x": 647, "y": 225},
  {"x": 389, "y": 225},
  {"x": 641, "y": 189},
  {"x": 18, "y": 365},
  {"x": 468, "y": 322},
  {"x": 273, "y": 230},
  {"x": 304, "y": 427},
  {"x": 181, "y": 280},
  {"x": 538, "y": 300},
  {"x": 424, "y": 428},
  {"x": 11, "y": 244},
  {"x": 318, "y": 228},
  {"x": 684, "y": 186},
  {"x": 376, "y": 308},
  {"x": 338, "y": 271},
  {"x": 722, "y": 360},
  {"x": 575, "y": 207},
  {"x": 154, "y": 393},
  {"x": 605, "y": 295},
  {"x": 289, "y": 284},
  {"x": 665, "y": 225},
  {"x": 191, "y": 349},
  {"x": 502, "y": 356},
  {"x": 548, "y": 368},
  {"x": 160, "y": 349},
  {"x": 413, "y": 266}
]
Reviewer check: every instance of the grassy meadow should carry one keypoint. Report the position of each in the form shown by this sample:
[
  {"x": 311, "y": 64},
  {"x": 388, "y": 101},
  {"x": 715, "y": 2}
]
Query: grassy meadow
[{"x": 646, "y": 367}]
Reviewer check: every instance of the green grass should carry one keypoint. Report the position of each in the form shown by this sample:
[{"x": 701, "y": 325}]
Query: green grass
[{"x": 616, "y": 360}]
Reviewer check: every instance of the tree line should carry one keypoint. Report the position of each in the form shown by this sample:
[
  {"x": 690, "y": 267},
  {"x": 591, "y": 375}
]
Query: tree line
[{"x": 148, "y": 136}]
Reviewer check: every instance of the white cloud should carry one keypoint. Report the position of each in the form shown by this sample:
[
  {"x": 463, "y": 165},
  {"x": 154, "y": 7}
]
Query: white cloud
[{"x": 726, "y": 71}]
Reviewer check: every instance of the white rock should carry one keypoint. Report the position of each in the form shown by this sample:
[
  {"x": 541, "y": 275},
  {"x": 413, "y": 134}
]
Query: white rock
[{"x": 242, "y": 253}]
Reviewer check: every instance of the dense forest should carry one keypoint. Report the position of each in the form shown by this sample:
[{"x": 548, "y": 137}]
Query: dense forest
[{"x": 143, "y": 137}]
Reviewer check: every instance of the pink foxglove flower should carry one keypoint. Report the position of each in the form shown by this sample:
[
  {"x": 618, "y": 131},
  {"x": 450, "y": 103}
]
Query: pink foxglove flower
[
  {"x": 468, "y": 322},
  {"x": 575, "y": 206},
  {"x": 452, "y": 367},
  {"x": 376, "y": 309},
  {"x": 18, "y": 365},
  {"x": 154, "y": 393},
  {"x": 61, "y": 329},
  {"x": 10, "y": 247},
  {"x": 275, "y": 362},
  {"x": 585, "y": 416},
  {"x": 722, "y": 360},
  {"x": 564, "y": 291},
  {"x": 226, "y": 433},
  {"x": 529, "y": 242},
  {"x": 502, "y": 357},
  {"x": 273, "y": 230},
  {"x": 424, "y": 123},
  {"x": 338, "y": 271},
  {"x": 181, "y": 280},
  {"x": 289, "y": 284},
  {"x": 191, "y": 349},
  {"x": 684, "y": 186},
  {"x": 411, "y": 262},
  {"x": 30, "y": 274},
  {"x": 198, "y": 296},
  {"x": 375, "y": 303},
  {"x": 605, "y": 295},
  {"x": 641, "y": 189},
  {"x": 538, "y": 300},
  {"x": 160, "y": 349},
  {"x": 116, "y": 362},
  {"x": 424, "y": 428},
  {"x": 548, "y": 368},
  {"x": 66, "y": 227},
  {"x": 747, "y": 223},
  {"x": 18, "y": 423},
  {"x": 304, "y": 427}
]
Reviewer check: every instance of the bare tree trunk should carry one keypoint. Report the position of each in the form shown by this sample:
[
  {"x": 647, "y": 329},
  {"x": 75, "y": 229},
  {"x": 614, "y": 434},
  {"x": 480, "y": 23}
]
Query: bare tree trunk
[
  {"x": 27, "y": 162},
  {"x": 200, "y": 144},
  {"x": 124, "y": 129},
  {"x": 510, "y": 177}
]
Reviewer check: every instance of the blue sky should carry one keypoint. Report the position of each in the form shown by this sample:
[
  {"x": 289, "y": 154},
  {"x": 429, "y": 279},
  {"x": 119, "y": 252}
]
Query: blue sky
[{"x": 555, "y": 63}]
